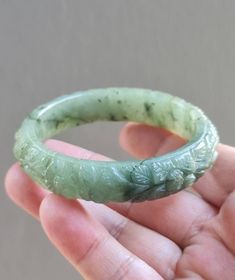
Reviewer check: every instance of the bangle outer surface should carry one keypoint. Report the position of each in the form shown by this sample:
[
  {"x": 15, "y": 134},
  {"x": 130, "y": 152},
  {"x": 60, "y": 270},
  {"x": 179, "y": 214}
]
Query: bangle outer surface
[{"x": 134, "y": 180}]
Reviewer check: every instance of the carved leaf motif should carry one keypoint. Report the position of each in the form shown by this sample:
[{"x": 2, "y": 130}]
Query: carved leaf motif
[
  {"x": 142, "y": 175},
  {"x": 161, "y": 171},
  {"x": 176, "y": 175},
  {"x": 210, "y": 138},
  {"x": 200, "y": 154},
  {"x": 185, "y": 163}
]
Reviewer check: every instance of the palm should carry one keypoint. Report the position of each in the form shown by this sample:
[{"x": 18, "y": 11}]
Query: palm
[
  {"x": 189, "y": 235},
  {"x": 201, "y": 248}
]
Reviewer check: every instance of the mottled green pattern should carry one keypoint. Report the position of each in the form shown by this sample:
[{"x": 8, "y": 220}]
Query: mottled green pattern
[{"x": 116, "y": 181}]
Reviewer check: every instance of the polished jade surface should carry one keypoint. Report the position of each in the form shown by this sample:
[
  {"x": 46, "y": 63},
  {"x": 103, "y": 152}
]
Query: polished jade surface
[{"x": 134, "y": 180}]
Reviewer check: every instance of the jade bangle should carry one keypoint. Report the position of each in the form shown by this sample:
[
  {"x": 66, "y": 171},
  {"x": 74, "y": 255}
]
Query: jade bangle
[{"x": 101, "y": 181}]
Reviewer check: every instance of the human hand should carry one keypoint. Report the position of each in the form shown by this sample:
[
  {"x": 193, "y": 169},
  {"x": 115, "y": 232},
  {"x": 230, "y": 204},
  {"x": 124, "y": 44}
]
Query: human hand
[{"x": 188, "y": 235}]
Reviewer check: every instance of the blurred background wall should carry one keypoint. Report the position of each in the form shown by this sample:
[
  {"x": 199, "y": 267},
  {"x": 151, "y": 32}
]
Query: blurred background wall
[{"x": 52, "y": 47}]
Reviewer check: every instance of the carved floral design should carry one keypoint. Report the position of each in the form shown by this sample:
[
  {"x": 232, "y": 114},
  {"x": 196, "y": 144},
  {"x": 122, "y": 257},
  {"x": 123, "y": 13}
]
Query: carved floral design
[{"x": 142, "y": 175}]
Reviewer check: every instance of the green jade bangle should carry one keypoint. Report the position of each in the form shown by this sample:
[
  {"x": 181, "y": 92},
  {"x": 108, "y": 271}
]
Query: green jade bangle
[{"x": 102, "y": 181}]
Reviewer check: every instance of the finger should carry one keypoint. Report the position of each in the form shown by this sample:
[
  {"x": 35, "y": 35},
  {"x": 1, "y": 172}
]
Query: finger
[
  {"x": 215, "y": 245},
  {"x": 156, "y": 250},
  {"x": 146, "y": 141},
  {"x": 178, "y": 217},
  {"x": 23, "y": 191},
  {"x": 143, "y": 141},
  {"x": 206, "y": 257},
  {"x": 74, "y": 151},
  {"x": 219, "y": 182},
  {"x": 87, "y": 245},
  {"x": 224, "y": 223}
]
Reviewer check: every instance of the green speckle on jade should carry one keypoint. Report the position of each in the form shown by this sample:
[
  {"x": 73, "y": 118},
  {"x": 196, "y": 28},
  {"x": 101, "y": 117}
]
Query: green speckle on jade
[{"x": 132, "y": 180}]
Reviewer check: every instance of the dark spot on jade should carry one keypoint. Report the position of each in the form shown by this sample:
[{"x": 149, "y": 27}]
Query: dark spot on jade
[
  {"x": 173, "y": 117},
  {"x": 57, "y": 123},
  {"x": 112, "y": 117},
  {"x": 148, "y": 108}
]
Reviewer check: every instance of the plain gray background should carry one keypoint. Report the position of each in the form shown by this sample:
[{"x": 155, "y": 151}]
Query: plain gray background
[{"x": 49, "y": 48}]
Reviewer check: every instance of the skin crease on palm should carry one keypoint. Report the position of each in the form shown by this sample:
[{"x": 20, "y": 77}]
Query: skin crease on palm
[{"x": 188, "y": 235}]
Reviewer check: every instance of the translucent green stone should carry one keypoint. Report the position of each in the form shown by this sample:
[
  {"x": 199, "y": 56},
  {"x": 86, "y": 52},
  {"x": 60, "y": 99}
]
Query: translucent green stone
[{"x": 102, "y": 181}]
